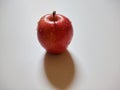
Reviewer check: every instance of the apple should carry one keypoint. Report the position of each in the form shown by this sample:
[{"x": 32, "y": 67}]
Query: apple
[{"x": 54, "y": 32}]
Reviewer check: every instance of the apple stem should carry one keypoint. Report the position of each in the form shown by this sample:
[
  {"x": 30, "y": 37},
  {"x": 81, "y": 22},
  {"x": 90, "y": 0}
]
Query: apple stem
[{"x": 54, "y": 13}]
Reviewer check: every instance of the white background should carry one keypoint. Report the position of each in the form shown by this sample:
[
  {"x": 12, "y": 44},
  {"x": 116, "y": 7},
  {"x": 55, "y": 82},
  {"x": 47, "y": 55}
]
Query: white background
[{"x": 94, "y": 60}]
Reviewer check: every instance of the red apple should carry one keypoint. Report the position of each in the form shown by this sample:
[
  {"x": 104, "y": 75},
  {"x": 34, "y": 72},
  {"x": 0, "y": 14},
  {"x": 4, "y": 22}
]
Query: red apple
[{"x": 54, "y": 32}]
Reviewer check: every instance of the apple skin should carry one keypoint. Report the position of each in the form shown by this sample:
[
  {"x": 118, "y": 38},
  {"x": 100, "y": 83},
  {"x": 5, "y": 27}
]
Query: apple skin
[{"x": 54, "y": 32}]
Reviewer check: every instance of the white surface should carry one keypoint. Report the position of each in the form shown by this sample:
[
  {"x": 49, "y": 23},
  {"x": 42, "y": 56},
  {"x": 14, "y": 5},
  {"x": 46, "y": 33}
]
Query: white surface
[{"x": 95, "y": 47}]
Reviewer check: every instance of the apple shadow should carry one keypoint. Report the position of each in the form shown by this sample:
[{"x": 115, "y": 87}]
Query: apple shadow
[{"x": 59, "y": 69}]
